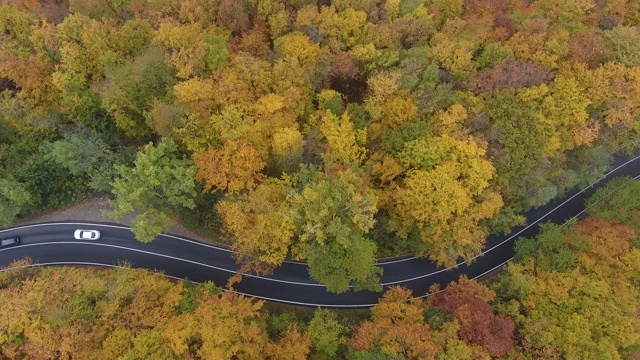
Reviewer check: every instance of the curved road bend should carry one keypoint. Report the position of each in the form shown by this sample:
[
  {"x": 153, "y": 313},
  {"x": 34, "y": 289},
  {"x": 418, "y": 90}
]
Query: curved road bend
[{"x": 51, "y": 244}]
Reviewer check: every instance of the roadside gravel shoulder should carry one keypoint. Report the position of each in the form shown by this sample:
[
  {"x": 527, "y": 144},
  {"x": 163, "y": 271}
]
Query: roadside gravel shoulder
[{"x": 91, "y": 211}]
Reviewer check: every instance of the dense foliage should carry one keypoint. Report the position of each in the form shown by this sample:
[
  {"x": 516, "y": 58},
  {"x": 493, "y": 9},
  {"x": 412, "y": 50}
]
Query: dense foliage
[
  {"x": 331, "y": 131},
  {"x": 572, "y": 293},
  {"x": 133, "y": 314}
]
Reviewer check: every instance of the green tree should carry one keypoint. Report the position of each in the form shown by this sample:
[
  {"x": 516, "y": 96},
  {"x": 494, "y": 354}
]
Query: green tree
[
  {"x": 332, "y": 214},
  {"x": 133, "y": 86},
  {"x": 326, "y": 332},
  {"x": 623, "y": 44},
  {"x": 159, "y": 180},
  {"x": 87, "y": 156},
  {"x": 51, "y": 185},
  {"x": 15, "y": 198},
  {"x": 549, "y": 249},
  {"x": 526, "y": 147},
  {"x": 115, "y": 9},
  {"x": 133, "y": 36},
  {"x": 618, "y": 201},
  {"x": 584, "y": 311},
  {"x": 79, "y": 155},
  {"x": 349, "y": 259}
]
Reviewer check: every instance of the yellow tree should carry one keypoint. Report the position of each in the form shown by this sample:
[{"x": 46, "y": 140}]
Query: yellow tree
[
  {"x": 291, "y": 345},
  {"x": 85, "y": 50},
  {"x": 197, "y": 96},
  {"x": 296, "y": 69},
  {"x": 287, "y": 149},
  {"x": 258, "y": 222},
  {"x": 192, "y": 49},
  {"x": 444, "y": 196},
  {"x": 566, "y": 109},
  {"x": 587, "y": 310},
  {"x": 273, "y": 114},
  {"x": 235, "y": 167},
  {"x": 397, "y": 327},
  {"x": 451, "y": 122},
  {"x": 613, "y": 90},
  {"x": 343, "y": 139},
  {"x": 231, "y": 327},
  {"x": 297, "y": 45},
  {"x": 613, "y": 87},
  {"x": 453, "y": 48},
  {"x": 388, "y": 106},
  {"x": 623, "y": 95},
  {"x": 294, "y": 83}
]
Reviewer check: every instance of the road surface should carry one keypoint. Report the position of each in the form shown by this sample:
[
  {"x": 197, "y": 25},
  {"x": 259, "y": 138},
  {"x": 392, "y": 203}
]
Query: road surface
[{"x": 54, "y": 244}]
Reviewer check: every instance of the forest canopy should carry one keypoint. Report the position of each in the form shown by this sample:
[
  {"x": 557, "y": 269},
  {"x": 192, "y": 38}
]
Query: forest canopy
[
  {"x": 570, "y": 293},
  {"x": 331, "y": 131}
]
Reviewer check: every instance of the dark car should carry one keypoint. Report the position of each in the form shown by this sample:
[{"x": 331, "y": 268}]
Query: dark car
[{"x": 9, "y": 242}]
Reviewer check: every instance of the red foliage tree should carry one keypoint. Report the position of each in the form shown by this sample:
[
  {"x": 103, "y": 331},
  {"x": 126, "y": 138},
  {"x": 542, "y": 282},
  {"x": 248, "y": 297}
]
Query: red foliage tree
[
  {"x": 232, "y": 16},
  {"x": 344, "y": 76},
  {"x": 510, "y": 74},
  {"x": 468, "y": 301},
  {"x": 344, "y": 67},
  {"x": 496, "y": 9}
]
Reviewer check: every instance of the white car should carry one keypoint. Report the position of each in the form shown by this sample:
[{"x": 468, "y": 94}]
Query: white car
[{"x": 86, "y": 234}]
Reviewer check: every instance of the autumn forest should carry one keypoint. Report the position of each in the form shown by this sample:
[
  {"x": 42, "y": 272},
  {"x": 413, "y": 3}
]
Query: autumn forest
[{"x": 334, "y": 132}]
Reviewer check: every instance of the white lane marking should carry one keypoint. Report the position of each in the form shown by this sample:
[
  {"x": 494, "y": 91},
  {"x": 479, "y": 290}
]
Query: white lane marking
[
  {"x": 586, "y": 208},
  {"x": 427, "y": 294},
  {"x": 114, "y": 227},
  {"x": 535, "y": 222},
  {"x": 211, "y": 246},
  {"x": 195, "y": 242},
  {"x": 64, "y": 223},
  {"x": 516, "y": 234},
  {"x": 510, "y": 259},
  {"x": 408, "y": 257},
  {"x": 389, "y": 262},
  {"x": 307, "y": 304},
  {"x": 161, "y": 255},
  {"x": 165, "y": 235},
  {"x": 62, "y": 263},
  {"x": 492, "y": 269}
]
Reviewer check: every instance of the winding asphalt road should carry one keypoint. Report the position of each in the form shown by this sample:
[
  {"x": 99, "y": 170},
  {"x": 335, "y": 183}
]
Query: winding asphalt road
[{"x": 53, "y": 244}]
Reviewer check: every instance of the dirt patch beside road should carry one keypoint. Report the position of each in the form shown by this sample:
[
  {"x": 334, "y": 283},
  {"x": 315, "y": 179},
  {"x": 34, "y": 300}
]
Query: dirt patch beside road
[{"x": 91, "y": 211}]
